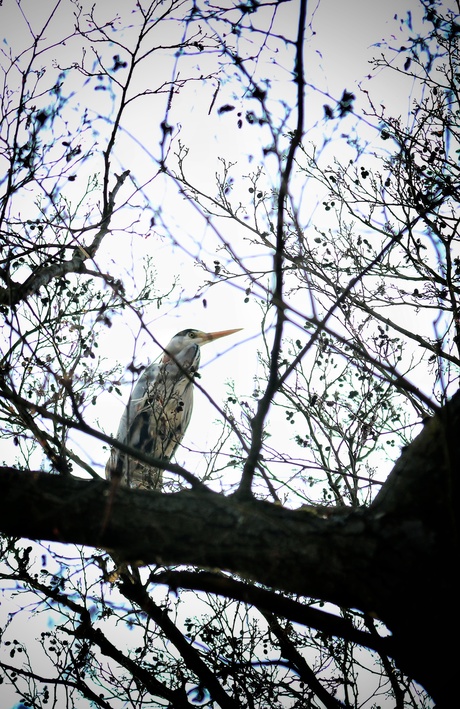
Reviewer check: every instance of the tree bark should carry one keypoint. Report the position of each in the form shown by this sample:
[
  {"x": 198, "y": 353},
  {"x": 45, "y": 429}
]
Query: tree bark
[{"x": 395, "y": 559}]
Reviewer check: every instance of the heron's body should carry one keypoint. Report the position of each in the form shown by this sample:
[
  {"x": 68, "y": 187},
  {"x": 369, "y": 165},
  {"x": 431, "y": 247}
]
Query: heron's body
[{"x": 159, "y": 410}]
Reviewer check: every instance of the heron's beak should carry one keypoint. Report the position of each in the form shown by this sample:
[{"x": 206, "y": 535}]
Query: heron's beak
[{"x": 211, "y": 336}]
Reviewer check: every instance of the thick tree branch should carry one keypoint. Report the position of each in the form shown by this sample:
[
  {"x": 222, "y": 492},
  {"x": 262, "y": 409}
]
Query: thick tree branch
[
  {"x": 274, "y": 603},
  {"x": 256, "y": 539}
]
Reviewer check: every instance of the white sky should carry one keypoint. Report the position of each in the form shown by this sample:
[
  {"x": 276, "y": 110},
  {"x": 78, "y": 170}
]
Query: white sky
[{"x": 336, "y": 58}]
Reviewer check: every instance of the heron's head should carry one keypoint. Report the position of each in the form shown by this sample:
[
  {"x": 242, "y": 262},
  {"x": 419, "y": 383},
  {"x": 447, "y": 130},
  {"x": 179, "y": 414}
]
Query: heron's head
[{"x": 185, "y": 338}]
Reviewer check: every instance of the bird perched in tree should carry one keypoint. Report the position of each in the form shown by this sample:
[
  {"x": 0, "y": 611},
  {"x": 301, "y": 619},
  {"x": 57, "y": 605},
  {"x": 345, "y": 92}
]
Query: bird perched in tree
[{"x": 159, "y": 410}]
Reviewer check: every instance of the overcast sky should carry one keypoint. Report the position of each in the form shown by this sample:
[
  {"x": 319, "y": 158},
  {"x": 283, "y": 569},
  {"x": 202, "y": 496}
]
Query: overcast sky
[{"x": 341, "y": 40}]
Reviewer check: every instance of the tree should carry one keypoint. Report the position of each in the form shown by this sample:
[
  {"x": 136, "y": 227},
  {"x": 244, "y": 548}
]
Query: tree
[{"x": 290, "y": 569}]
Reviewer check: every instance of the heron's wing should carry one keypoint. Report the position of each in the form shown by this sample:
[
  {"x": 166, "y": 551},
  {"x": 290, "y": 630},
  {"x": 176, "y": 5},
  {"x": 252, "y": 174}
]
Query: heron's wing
[
  {"x": 136, "y": 402},
  {"x": 117, "y": 465},
  {"x": 156, "y": 418}
]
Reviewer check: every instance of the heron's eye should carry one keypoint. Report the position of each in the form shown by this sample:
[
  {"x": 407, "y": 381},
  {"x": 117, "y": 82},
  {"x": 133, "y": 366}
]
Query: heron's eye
[{"x": 192, "y": 335}]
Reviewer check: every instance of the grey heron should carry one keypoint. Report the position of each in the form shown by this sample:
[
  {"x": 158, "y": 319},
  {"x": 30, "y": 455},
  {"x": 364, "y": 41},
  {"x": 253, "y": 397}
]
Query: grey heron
[{"x": 159, "y": 410}]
